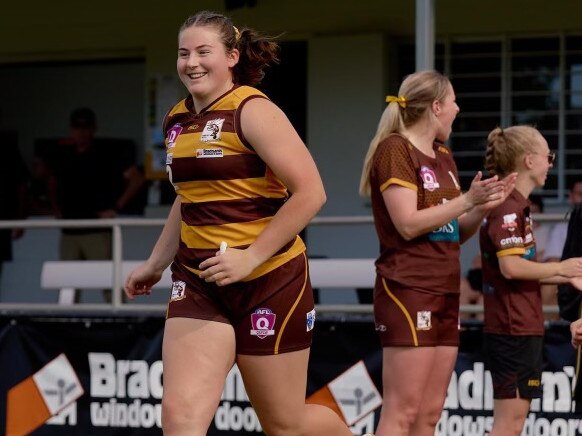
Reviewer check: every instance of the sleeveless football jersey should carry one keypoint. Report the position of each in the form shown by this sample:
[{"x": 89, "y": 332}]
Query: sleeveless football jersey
[
  {"x": 429, "y": 262},
  {"x": 227, "y": 192}
]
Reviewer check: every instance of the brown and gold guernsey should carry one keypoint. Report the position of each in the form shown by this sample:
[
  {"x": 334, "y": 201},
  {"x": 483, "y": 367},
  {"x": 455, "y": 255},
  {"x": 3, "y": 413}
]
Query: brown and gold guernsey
[
  {"x": 512, "y": 307},
  {"x": 430, "y": 262},
  {"x": 227, "y": 192}
]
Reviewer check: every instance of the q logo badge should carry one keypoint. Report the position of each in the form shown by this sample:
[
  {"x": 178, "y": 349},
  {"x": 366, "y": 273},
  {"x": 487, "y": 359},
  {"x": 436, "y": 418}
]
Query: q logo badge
[
  {"x": 429, "y": 179},
  {"x": 262, "y": 323}
]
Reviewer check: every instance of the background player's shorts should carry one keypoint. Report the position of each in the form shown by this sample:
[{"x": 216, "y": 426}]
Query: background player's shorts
[
  {"x": 515, "y": 363},
  {"x": 411, "y": 318},
  {"x": 271, "y": 314}
]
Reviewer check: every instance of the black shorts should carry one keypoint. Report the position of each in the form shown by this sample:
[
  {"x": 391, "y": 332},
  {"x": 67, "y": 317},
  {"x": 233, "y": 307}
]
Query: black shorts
[
  {"x": 271, "y": 314},
  {"x": 515, "y": 363}
]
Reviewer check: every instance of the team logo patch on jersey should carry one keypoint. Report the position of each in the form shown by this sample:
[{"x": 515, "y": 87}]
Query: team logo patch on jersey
[
  {"x": 310, "y": 320},
  {"x": 263, "y": 323},
  {"x": 423, "y": 321},
  {"x": 509, "y": 222},
  {"x": 429, "y": 178},
  {"x": 172, "y": 136},
  {"x": 212, "y": 130},
  {"x": 204, "y": 153},
  {"x": 178, "y": 290}
]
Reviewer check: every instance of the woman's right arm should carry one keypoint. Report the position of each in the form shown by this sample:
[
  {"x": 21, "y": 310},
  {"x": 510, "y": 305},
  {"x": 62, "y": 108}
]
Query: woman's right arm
[
  {"x": 410, "y": 222},
  {"x": 144, "y": 277},
  {"x": 167, "y": 244},
  {"x": 515, "y": 267}
]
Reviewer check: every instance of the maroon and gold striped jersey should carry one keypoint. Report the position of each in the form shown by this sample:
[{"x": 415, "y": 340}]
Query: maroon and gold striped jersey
[
  {"x": 227, "y": 191},
  {"x": 429, "y": 262}
]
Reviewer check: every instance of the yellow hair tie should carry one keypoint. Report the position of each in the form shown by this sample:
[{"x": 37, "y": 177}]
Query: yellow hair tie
[
  {"x": 400, "y": 100},
  {"x": 236, "y": 34}
]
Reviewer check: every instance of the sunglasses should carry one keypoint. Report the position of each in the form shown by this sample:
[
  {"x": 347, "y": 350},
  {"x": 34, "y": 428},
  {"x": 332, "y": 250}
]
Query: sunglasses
[{"x": 551, "y": 157}]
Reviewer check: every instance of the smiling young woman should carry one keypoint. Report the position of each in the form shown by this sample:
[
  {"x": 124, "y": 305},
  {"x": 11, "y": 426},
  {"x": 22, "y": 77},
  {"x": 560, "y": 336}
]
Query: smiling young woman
[{"x": 246, "y": 186}]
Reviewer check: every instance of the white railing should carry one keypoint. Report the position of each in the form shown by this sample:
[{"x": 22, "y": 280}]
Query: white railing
[{"x": 117, "y": 279}]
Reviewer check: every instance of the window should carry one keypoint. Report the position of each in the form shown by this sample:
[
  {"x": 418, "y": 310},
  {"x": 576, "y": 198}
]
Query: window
[{"x": 517, "y": 80}]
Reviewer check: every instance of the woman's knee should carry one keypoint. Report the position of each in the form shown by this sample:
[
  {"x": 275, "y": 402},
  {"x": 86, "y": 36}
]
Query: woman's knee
[
  {"x": 402, "y": 413},
  {"x": 179, "y": 414}
]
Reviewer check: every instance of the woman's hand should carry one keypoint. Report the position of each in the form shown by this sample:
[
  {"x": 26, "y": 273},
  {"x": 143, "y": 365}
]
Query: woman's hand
[
  {"x": 141, "y": 280},
  {"x": 484, "y": 191},
  {"x": 508, "y": 184},
  {"x": 231, "y": 266},
  {"x": 571, "y": 267},
  {"x": 576, "y": 330}
]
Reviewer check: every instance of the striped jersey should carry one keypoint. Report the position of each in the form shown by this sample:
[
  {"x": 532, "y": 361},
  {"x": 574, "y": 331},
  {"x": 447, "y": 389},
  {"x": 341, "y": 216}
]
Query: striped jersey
[{"x": 227, "y": 191}]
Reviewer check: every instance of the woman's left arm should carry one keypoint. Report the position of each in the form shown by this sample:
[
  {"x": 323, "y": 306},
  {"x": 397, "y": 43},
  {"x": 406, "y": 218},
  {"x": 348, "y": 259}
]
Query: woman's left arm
[
  {"x": 272, "y": 136},
  {"x": 267, "y": 128}
]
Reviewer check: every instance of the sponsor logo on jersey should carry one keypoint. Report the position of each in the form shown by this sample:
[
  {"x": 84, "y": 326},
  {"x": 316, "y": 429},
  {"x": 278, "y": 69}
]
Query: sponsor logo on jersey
[
  {"x": 423, "y": 320},
  {"x": 310, "y": 320},
  {"x": 511, "y": 241},
  {"x": 509, "y": 222},
  {"x": 429, "y": 178},
  {"x": 169, "y": 158},
  {"x": 212, "y": 130},
  {"x": 203, "y": 153},
  {"x": 263, "y": 323},
  {"x": 530, "y": 252},
  {"x": 178, "y": 290},
  {"x": 449, "y": 232},
  {"x": 173, "y": 134}
]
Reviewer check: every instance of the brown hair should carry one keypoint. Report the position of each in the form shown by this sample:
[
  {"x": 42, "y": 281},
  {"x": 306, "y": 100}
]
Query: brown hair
[
  {"x": 256, "y": 51},
  {"x": 506, "y": 146},
  {"x": 419, "y": 90}
]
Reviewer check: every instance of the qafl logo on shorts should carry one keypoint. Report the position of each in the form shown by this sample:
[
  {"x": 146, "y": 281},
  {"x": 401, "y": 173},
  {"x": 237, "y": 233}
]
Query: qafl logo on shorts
[
  {"x": 263, "y": 323},
  {"x": 428, "y": 178}
]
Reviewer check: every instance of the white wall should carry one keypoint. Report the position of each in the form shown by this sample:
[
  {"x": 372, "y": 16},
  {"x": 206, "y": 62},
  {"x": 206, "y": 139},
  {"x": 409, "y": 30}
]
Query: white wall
[{"x": 346, "y": 90}]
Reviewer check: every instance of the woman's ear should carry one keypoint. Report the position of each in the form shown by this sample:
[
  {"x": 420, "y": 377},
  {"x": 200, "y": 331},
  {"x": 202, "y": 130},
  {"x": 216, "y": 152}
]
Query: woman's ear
[
  {"x": 233, "y": 57},
  {"x": 528, "y": 160},
  {"x": 436, "y": 107}
]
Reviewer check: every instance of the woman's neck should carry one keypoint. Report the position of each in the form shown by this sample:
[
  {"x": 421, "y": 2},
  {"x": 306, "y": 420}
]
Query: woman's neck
[
  {"x": 524, "y": 184},
  {"x": 422, "y": 137},
  {"x": 203, "y": 101}
]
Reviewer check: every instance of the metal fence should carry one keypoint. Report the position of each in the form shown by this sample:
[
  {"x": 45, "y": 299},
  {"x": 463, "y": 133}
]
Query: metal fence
[{"x": 117, "y": 306}]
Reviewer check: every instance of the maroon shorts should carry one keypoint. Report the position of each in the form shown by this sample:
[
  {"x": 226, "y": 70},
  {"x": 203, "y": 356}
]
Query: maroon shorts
[
  {"x": 412, "y": 318},
  {"x": 271, "y": 314}
]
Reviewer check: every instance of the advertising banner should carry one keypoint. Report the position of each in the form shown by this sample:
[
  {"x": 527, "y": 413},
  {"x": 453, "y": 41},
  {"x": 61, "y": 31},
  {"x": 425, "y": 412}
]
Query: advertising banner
[{"x": 104, "y": 376}]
